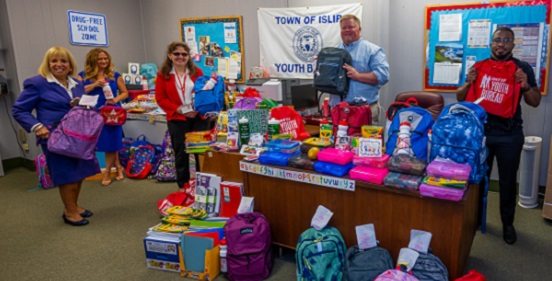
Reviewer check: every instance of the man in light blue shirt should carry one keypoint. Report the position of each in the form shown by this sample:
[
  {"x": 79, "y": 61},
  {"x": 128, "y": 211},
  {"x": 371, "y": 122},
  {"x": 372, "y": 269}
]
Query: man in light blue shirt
[{"x": 369, "y": 71}]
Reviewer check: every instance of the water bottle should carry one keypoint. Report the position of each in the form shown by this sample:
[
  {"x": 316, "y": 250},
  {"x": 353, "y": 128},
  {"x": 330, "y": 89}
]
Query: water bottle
[
  {"x": 107, "y": 90},
  {"x": 342, "y": 129},
  {"x": 273, "y": 128},
  {"x": 223, "y": 265},
  {"x": 243, "y": 129}
]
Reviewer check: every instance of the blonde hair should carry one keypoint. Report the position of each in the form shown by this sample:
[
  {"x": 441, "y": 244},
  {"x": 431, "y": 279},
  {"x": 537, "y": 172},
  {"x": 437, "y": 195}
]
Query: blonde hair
[
  {"x": 348, "y": 17},
  {"x": 57, "y": 51},
  {"x": 91, "y": 68}
]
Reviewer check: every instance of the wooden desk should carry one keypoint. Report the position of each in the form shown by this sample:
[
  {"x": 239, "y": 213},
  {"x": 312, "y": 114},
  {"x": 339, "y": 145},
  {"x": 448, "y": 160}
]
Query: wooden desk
[
  {"x": 223, "y": 164},
  {"x": 290, "y": 205}
]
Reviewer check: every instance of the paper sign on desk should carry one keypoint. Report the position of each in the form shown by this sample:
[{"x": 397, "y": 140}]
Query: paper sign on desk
[
  {"x": 408, "y": 258},
  {"x": 246, "y": 205},
  {"x": 88, "y": 100},
  {"x": 419, "y": 240},
  {"x": 366, "y": 236},
  {"x": 321, "y": 217}
]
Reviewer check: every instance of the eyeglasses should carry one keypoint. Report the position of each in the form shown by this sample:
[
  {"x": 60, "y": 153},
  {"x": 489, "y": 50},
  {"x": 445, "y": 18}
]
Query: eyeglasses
[
  {"x": 504, "y": 40},
  {"x": 176, "y": 54}
]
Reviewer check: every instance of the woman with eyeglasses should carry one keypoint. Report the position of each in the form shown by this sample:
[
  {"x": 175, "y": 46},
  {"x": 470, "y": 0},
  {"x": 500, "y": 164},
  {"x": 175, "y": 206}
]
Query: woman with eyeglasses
[
  {"x": 98, "y": 72},
  {"x": 173, "y": 91}
]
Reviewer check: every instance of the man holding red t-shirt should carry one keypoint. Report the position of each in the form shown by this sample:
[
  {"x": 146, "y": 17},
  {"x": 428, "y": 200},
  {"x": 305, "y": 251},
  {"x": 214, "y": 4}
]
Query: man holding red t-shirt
[{"x": 504, "y": 136}]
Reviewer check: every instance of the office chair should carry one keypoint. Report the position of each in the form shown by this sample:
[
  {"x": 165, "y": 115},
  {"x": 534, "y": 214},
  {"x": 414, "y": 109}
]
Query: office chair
[{"x": 431, "y": 101}]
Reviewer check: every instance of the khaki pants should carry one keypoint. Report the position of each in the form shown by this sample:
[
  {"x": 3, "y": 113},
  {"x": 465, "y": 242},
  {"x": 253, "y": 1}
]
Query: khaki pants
[{"x": 376, "y": 110}]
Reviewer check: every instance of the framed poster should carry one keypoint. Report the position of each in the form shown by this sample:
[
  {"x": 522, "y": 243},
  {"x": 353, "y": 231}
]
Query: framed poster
[
  {"x": 458, "y": 35},
  {"x": 216, "y": 45}
]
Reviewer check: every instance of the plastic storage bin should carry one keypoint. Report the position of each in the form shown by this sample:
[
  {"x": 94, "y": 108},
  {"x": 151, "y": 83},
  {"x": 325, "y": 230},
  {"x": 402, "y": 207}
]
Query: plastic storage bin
[
  {"x": 283, "y": 146},
  {"x": 441, "y": 192},
  {"x": 448, "y": 169},
  {"x": 402, "y": 181},
  {"x": 301, "y": 161},
  {"x": 275, "y": 158},
  {"x": 374, "y": 162},
  {"x": 369, "y": 174},
  {"x": 332, "y": 168},
  {"x": 444, "y": 182},
  {"x": 406, "y": 164},
  {"x": 335, "y": 156}
]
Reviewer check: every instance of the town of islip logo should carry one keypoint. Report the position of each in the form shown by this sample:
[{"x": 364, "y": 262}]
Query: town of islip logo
[{"x": 307, "y": 43}]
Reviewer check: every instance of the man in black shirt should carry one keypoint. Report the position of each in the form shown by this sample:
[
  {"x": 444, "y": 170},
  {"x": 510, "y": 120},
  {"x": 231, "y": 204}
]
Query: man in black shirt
[{"x": 504, "y": 136}]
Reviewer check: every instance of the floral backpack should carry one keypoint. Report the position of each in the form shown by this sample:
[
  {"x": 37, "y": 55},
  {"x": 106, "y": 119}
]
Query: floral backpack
[{"x": 166, "y": 172}]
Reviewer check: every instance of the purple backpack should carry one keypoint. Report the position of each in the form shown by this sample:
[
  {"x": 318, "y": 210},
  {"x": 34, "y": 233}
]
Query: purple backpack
[
  {"x": 249, "y": 241},
  {"x": 77, "y": 134},
  {"x": 247, "y": 103},
  {"x": 44, "y": 179}
]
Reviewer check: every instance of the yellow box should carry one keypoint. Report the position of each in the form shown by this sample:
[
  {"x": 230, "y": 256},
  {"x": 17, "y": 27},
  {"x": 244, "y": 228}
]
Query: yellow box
[{"x": 212, "y": 266}]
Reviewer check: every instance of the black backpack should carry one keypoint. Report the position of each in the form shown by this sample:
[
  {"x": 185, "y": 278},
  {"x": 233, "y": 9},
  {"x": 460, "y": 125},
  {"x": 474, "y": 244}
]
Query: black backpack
[
  {"x": 429, "y": 267},
  {"x": 366, "y": 265},
  {"x": 330, "y": 76}
]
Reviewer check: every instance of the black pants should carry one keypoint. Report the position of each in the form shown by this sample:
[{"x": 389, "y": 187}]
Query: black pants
[
  {"x": 177, "y": 131},
  {"x": 507, "y": 150}
]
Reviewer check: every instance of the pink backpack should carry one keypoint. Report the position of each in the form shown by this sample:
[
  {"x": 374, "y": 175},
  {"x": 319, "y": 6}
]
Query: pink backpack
[
  {"x": 77, "y": 134},
  {"x": 395, "y": 275},
  {"x": 44, "y": 179}
]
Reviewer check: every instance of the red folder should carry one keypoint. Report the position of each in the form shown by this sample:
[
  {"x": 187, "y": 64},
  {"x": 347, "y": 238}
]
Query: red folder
[{"x": 231, "y": 193}]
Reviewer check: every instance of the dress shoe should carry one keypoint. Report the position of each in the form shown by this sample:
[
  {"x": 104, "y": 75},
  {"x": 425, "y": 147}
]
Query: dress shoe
[
  {"x": 86, "y": 213},
  {"x": 509, "y": 234},
  {"x": 74, "y": 223}
]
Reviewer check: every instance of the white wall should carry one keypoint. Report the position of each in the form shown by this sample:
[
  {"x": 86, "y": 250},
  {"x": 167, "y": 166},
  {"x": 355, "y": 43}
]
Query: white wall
[
  {"x": 140, "y": 30},
  {"x": 36, "y": 25}
]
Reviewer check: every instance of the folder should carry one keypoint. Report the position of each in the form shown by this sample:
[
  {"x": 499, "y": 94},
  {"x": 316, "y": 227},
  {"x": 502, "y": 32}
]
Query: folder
[
  {"x": 231, "y": 195},
  {"x": 193, "y": 251}
]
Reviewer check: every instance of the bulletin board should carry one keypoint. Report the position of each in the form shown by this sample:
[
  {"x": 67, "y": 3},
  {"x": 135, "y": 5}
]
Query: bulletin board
[
  {"x": 216, "y": 45},
  {"x": 458, "y": 35}
]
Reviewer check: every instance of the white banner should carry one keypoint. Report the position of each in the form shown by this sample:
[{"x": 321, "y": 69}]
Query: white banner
[
  {"x": 306, "y": 177},
  {"x": 291, "y": 38}
]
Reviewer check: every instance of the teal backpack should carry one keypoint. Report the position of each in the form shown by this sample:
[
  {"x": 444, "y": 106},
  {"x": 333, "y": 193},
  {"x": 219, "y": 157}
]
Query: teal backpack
[{"x": 320, "y": 255}]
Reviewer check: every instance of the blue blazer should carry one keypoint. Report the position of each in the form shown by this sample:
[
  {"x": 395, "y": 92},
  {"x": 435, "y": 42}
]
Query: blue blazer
[{"x": 50, "y": 100}]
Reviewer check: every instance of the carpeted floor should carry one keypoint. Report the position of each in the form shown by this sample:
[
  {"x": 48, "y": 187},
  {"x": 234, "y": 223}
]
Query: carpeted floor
[{"x": 35, "y": 244}]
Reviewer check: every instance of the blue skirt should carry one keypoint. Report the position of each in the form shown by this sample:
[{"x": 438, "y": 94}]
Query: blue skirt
[
  {"x": 111, "y": 139},
  {"x": 64, "y": 170}
]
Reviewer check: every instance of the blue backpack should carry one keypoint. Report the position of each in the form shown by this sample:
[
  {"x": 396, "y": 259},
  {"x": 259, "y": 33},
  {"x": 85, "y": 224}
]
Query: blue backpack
[
  {"x": 208, "y": 100},
  {"x": 459, "y": 135},
  {"x": 320, "y": 255},
  {"x": 420, "y": 122}
]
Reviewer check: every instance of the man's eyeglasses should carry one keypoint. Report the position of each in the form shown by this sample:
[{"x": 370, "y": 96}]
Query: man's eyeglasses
[
  {"x": 176, "y": 54},
  {"x": 504, "y": 40}
]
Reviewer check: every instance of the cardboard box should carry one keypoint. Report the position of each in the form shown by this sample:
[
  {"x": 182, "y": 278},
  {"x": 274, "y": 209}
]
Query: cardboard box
[
  {"x": 212, "y": 266},
  {"x": 162, "y": 253},
  {"x": 547, "y": 206}
]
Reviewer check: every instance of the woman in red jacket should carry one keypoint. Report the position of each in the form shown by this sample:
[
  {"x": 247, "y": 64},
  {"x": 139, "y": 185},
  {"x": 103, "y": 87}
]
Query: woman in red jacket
[{"x": 173, "y": 91}]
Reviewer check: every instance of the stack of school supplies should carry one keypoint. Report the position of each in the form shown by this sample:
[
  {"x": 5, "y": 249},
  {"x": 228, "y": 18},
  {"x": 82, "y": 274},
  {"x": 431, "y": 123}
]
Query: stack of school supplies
[{"x": 199, "y": 142}]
